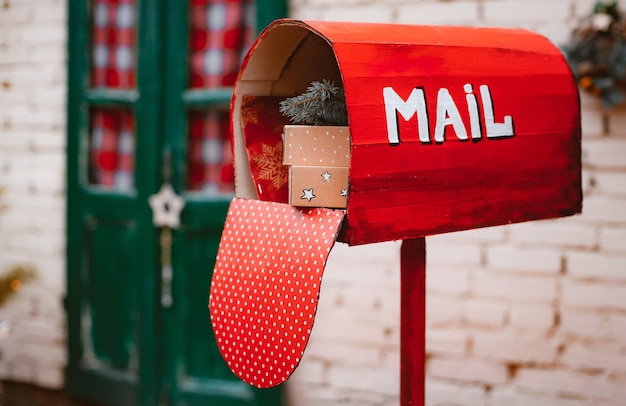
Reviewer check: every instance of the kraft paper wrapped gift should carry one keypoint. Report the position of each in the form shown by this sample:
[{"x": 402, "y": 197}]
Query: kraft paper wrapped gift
[
  {"x": 318, "y": 157},
  {"x": 316, "y": 145},
  {"x": 318, "y": 186}
]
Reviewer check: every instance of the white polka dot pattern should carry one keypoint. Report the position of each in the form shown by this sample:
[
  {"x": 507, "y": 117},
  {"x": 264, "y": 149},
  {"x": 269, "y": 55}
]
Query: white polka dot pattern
[
  {"x": 266, "y": 285},
  {"x": 316, "y": 145}
]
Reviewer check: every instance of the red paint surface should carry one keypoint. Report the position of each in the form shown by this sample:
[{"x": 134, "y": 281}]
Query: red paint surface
[
  {"x": 412, "y": 321},
  {"x": 414, "y": 189},
  {"x": 424, "y": 189},
  {"x": 266, "y": 286},
  {"x": 417, "y": 189}
]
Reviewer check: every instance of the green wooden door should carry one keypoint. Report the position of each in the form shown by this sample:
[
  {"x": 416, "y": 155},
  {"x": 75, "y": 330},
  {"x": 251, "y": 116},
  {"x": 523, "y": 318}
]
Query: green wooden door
[{"x": 147, "y": 106}]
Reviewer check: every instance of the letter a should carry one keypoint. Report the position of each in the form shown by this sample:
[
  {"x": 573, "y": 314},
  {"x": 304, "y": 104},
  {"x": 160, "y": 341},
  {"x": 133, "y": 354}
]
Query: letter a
[
  {"x": 415, "y": 104},
  {"x": 494, "y": 130},
  {"x": 448, "y": 114}
]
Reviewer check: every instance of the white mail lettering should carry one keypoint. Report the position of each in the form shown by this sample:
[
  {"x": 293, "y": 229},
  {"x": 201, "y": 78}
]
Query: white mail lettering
[{"x": 446, "y": 115}]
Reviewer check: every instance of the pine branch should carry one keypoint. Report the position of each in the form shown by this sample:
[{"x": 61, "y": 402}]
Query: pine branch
[{"x": 322, "y": 104}]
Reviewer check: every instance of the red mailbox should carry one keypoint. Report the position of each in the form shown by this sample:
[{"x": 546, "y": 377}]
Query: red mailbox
[{"x": 451, "y": 128}]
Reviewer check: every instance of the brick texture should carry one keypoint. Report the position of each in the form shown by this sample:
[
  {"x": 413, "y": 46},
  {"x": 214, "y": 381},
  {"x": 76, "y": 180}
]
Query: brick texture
[
  {"x": 529, "y": 314},
  {"x": 32, "y": 170}
]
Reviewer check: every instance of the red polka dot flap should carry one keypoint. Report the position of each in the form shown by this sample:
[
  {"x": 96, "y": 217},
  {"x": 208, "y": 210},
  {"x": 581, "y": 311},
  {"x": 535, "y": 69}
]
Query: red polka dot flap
[{"x": 266, "y": 286}]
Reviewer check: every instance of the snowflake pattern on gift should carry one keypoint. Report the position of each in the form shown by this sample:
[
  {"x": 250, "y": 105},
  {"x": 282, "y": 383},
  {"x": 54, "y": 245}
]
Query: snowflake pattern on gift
[
  {"x": 270, "y": 163},
  {"x": 260, "y": 110},
  {"x": 262, "y": 126}
]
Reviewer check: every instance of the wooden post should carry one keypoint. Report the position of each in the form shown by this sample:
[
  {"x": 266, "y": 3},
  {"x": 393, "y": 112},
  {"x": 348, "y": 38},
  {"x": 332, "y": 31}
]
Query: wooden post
[{"x": 412, "y": 321}]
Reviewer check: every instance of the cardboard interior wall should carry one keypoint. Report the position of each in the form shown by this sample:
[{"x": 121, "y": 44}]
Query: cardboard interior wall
[
  {"x": 418, "y": 188},
  {"x": 282, "y": 64}
]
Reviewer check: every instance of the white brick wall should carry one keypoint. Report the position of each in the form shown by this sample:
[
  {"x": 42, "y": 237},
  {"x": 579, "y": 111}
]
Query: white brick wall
[
  {"x": 32, "y": 155},
  {"x": 531, "y": 314}
]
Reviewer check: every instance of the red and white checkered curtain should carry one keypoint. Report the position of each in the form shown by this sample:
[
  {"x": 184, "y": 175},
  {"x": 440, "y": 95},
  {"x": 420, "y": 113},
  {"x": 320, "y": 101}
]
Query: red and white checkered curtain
[
  {"x": 112, "y": 148},
  {"x": 210, "y": 158},
  {"x": 113, "y": 66},
  {"x": 113, "y": 44},
  {"x": 220, "y": 33}
]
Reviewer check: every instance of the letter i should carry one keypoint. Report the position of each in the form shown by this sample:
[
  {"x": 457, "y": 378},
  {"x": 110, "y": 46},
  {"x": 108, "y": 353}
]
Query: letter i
[{"x": 472, "y": 108}]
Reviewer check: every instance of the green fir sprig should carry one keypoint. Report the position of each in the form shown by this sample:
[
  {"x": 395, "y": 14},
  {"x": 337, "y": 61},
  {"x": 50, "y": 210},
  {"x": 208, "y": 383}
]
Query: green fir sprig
[{"x": 323, "y": 103}]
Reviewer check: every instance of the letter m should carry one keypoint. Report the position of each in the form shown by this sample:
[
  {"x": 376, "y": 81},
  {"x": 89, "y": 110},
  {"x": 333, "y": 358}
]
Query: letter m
[{"x": 415, "y": 104}]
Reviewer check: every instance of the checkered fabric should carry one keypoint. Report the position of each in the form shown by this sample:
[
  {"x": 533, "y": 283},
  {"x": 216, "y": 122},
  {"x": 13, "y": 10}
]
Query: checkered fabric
[
  {"x": 210, "y": 161},
  {"x": 112, "y": 148},
  {"x": 221, "y": 31},
  {"x": 113, "y": 44}
]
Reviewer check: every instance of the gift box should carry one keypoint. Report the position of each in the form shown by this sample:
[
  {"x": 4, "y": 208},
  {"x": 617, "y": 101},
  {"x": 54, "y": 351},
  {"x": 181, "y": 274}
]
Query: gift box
[
  {"x": 316, "y": 145},
  {"x": 318, "y": 158},
  {"x": 318, "y": 186}
]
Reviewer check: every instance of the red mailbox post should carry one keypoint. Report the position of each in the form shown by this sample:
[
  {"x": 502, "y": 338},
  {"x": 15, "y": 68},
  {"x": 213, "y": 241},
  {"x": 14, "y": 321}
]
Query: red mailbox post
[{"x": 451, "y": 128}]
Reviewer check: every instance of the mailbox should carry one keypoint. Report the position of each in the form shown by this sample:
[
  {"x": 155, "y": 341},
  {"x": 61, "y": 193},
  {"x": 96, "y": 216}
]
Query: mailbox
[{"x": 451, "y": 128}]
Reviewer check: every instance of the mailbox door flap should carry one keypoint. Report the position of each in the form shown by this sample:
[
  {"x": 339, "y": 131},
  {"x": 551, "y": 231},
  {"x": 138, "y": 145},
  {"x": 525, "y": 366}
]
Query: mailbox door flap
[{"x": 266, "y": 285}]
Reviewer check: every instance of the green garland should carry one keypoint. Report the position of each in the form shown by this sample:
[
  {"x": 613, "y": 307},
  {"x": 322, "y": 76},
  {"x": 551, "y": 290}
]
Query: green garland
[
  {"x": 12, "y": 280},
  {"x": 596, "y": 53}
]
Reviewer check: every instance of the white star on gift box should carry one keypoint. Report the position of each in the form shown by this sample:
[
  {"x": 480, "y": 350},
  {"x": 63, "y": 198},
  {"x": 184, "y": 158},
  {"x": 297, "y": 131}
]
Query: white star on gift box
[
  {"x": 326, "y": 176},
  {"x": 308, "y": 194},
  {"x": 166, "y": 207}
]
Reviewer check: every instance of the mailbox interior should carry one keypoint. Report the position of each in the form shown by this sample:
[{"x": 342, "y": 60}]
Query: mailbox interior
[{"x": 283, "y": 63}]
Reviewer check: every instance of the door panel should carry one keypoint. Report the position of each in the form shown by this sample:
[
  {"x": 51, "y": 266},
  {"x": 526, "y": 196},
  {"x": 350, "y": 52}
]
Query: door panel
[
  {"x": 112, "y": 148},
  {"x": 104, "y": 305},
  {"x": 110, "y": 308},
  {"x": 200, "y": 355}
]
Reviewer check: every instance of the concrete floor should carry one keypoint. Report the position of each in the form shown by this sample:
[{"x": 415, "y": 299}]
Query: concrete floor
[{"x": 20, "y": 394}]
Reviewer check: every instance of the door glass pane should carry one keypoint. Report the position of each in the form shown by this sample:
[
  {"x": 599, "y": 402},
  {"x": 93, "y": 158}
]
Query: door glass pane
[
  {"x": 113, "y": 56},
  {"x": 210, "y": 161},
  {"x": 112, "y": 148},
  {"x": 220, "y": 33}
]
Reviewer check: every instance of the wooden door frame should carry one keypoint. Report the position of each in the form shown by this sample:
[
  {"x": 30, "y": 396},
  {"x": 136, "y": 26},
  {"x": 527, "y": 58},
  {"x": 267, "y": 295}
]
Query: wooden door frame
[{"x": 80, "y": 99}]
